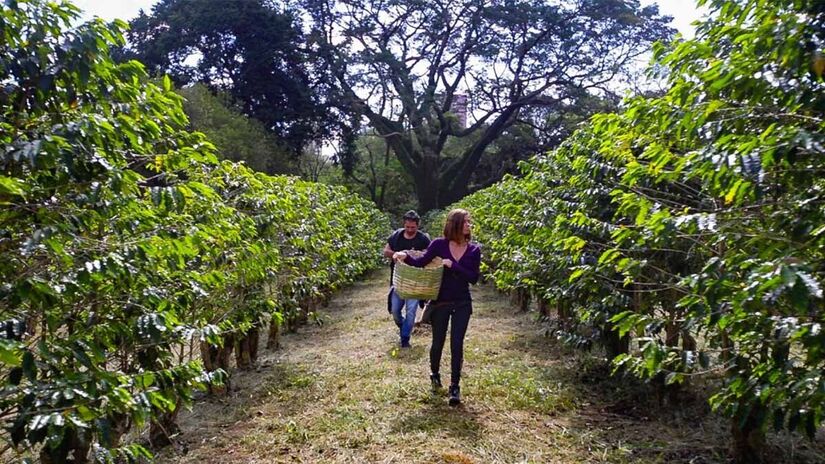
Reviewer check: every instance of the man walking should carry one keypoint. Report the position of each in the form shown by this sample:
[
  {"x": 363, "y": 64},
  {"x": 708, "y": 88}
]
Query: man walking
[{"x": 406, "y": 238}]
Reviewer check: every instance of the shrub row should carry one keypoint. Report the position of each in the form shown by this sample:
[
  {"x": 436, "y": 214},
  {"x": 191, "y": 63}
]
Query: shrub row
[
  {"x": 128, "y": 252},
  {"x": 685, "y": 234}
]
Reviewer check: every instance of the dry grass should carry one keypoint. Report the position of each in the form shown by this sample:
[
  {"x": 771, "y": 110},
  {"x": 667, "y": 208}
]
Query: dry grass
[{"x": 342, "y": 392}]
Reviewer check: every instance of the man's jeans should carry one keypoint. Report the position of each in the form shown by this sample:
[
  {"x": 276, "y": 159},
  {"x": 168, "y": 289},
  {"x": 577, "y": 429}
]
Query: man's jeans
[{"x": 406, "y": 321}]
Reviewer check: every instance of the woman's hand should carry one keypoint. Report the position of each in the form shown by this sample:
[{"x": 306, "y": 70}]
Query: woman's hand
[
  {"x": 447, "y": 262},
  {"x": 399, "y": 256}
]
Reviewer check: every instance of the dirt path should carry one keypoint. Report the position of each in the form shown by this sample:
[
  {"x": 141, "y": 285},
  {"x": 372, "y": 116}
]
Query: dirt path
[{"x": 343, "y": 392}]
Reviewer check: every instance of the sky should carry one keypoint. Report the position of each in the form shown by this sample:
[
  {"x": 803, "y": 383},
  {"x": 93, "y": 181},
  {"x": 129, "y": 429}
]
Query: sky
[{"x": 683, "y": 12}]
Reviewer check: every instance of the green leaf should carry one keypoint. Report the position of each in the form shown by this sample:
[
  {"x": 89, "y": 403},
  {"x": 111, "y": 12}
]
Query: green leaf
[
  {"x": 576, "y": 274},
  {"x": 732, "y": 192},
  {"x": 609, "y": 256},
  {"x": 673, "y": 378},
  {"x": 12, "y": 186},
  {"x": 10, "y": 354},
  {"x": 85, "y": 413}
]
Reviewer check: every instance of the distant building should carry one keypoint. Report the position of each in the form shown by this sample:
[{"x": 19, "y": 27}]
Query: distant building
[{"x": 459, "y": 108}]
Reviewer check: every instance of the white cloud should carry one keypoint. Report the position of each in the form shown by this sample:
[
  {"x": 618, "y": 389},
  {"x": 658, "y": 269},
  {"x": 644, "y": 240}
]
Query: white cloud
[
  {"x": 684, "y": 12},
  {"x": 113, "y": 9}
]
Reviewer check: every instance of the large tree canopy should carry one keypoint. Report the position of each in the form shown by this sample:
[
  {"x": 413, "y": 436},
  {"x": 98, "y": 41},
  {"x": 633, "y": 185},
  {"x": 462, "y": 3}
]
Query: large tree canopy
[
  {"x": 236, "y": 136},
  {"x": 247, "y": 48},
  {"x": 403, "y": 65}
]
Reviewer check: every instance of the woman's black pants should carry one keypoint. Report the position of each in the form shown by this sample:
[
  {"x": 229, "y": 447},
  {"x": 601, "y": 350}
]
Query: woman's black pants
[{"x": 459, "y": 312}]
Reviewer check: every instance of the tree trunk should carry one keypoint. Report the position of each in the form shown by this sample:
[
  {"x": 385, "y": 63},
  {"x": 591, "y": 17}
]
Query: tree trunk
[
  {"x": 242, "y": 358},
  {"x": 451, "y": 192},
  {"x": 274, "y": 339},
  {"x": 564, "y": 313},
  {"x": 748, "y": 437},
  {"x": 664, "y": 391},
  {"x": 427, "y": 187},
  {"x": 688, "y": 342},
  {"x": 214, "y": 358},
  {"x": 225, "y": 352},
  {"x": 162, "y": 429},
  {"x": 543, "y": 307},
  {"x": 74, "y": 444},
  {"x": 246, "y": 349},
  {"x": 254, "y": 337},
  {"x": 614, "y": 344},
  {"x": 120, "y": 425},
  {"x": 520, "y": 298},
  {"x": 672, "y": 333}
]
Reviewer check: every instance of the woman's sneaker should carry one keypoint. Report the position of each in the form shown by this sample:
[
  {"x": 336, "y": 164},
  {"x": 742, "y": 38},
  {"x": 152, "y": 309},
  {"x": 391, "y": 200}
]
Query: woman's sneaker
[
  {"x": 435, "y": 382},
  {"x": 455, "y": 395}
]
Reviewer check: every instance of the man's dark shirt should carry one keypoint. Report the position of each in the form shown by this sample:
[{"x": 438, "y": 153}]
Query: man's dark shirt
[{"x": 398, "y": 242}]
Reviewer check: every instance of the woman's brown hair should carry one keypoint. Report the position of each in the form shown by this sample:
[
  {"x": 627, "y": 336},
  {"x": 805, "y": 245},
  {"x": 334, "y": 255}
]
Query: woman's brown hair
[{"x": 454, "y": 226}]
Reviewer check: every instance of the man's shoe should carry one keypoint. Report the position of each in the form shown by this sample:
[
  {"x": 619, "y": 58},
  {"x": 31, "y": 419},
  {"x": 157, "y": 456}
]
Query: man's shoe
[
  {"x": 435, "y": 382},
  {"x": 455, "y": 395}
]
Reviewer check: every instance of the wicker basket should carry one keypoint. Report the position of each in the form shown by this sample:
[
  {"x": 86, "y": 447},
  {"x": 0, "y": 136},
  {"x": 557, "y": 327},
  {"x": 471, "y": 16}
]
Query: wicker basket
[{"x": 420, "y": 283}]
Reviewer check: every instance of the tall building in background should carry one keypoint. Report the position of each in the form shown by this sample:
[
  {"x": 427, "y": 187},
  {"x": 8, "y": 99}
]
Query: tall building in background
[{"x": 459, "y": 108}]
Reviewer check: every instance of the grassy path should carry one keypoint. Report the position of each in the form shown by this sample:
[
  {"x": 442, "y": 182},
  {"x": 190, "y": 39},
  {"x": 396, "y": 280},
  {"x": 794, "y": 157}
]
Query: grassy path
[{"x": 342, "y": 392}]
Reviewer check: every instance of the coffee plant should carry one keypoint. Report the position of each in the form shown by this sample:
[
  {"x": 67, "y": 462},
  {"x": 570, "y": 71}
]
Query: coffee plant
[
  {"x": 131, "y": 260},
  {"x": 685, "y": 233}
]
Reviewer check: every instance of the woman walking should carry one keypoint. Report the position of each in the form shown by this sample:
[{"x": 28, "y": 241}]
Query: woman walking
[{"x": 461, "y": 260}]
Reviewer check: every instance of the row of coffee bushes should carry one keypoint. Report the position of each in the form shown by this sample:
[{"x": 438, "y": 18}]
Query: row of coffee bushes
[
  {"x": 685, "y": 234},
  {"x": 127, "y": 251}
]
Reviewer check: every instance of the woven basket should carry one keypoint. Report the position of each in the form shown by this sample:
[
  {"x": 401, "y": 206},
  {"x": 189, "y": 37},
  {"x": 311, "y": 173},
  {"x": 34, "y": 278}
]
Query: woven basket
[{"x": 419, "y": 283}]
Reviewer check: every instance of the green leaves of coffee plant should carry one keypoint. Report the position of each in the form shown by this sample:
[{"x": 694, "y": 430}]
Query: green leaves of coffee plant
[
  {"x": 692, "y": 222},
  {"x": 123, "y": 242}
]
